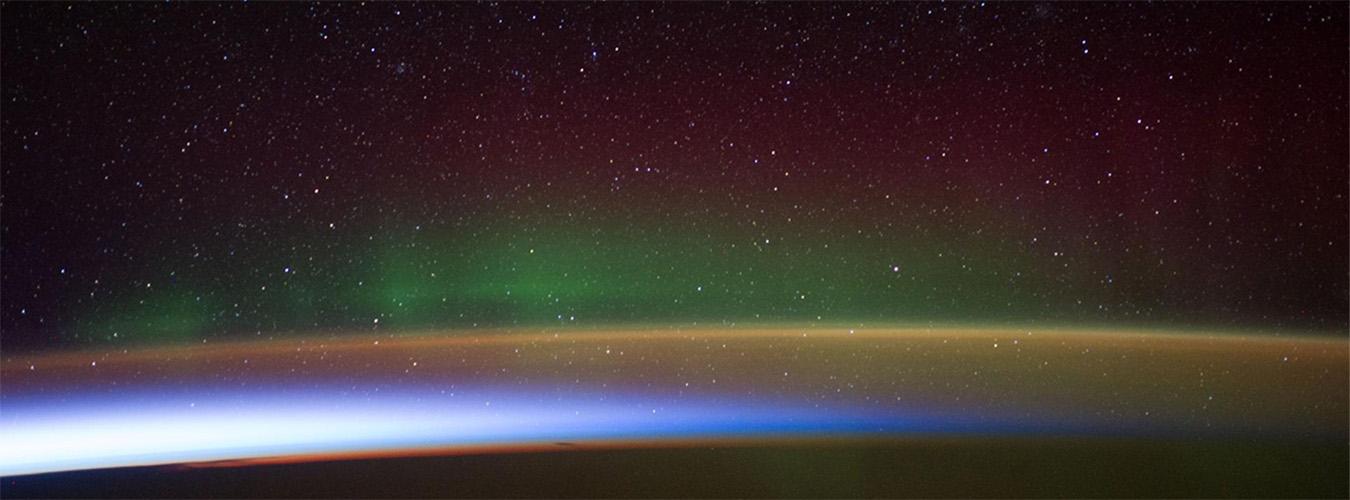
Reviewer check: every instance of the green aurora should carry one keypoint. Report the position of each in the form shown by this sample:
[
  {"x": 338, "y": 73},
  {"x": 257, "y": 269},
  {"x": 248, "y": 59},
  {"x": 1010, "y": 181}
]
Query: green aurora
[{"x": 555, "y": 271}]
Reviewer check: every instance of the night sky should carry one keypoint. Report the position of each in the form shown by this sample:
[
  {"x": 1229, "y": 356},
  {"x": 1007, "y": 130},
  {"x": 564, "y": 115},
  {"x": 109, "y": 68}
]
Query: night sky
[{"x": 174, "y": 173}]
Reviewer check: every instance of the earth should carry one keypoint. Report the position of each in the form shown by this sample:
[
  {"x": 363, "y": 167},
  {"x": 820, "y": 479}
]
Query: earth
[{"x": 775, "y": 411}]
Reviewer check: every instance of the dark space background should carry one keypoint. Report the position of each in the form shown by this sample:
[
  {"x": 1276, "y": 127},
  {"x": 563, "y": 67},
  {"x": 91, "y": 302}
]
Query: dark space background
[{"x": 179, "y": 172}]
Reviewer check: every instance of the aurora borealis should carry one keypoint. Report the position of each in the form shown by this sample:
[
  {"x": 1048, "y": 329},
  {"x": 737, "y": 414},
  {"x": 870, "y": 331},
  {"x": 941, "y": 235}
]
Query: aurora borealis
[
  {"x": 241, "y": 169},
  {"x": 261, "y": 232}
]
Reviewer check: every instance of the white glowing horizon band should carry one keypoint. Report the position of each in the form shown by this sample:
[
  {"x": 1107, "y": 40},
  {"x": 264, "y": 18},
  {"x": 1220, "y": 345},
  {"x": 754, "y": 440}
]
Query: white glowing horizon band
[{"x": 112, "y": 432}]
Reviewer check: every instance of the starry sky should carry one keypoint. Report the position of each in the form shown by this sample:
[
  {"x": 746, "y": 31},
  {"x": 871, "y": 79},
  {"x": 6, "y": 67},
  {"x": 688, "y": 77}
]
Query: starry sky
[{"x": 175, "y": 173}]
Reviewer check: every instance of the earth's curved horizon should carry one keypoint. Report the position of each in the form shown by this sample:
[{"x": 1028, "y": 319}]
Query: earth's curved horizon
[
  {"x": 457, "y": 392},
  {"x": 674, "y": 249}
]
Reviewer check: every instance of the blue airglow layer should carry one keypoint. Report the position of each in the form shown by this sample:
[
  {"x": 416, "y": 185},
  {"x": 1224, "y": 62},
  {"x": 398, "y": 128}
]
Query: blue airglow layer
[{"x": 143, "y": 427}]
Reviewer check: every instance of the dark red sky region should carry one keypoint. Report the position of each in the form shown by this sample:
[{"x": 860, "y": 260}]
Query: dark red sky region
[{"x": 184, "y": 171}]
